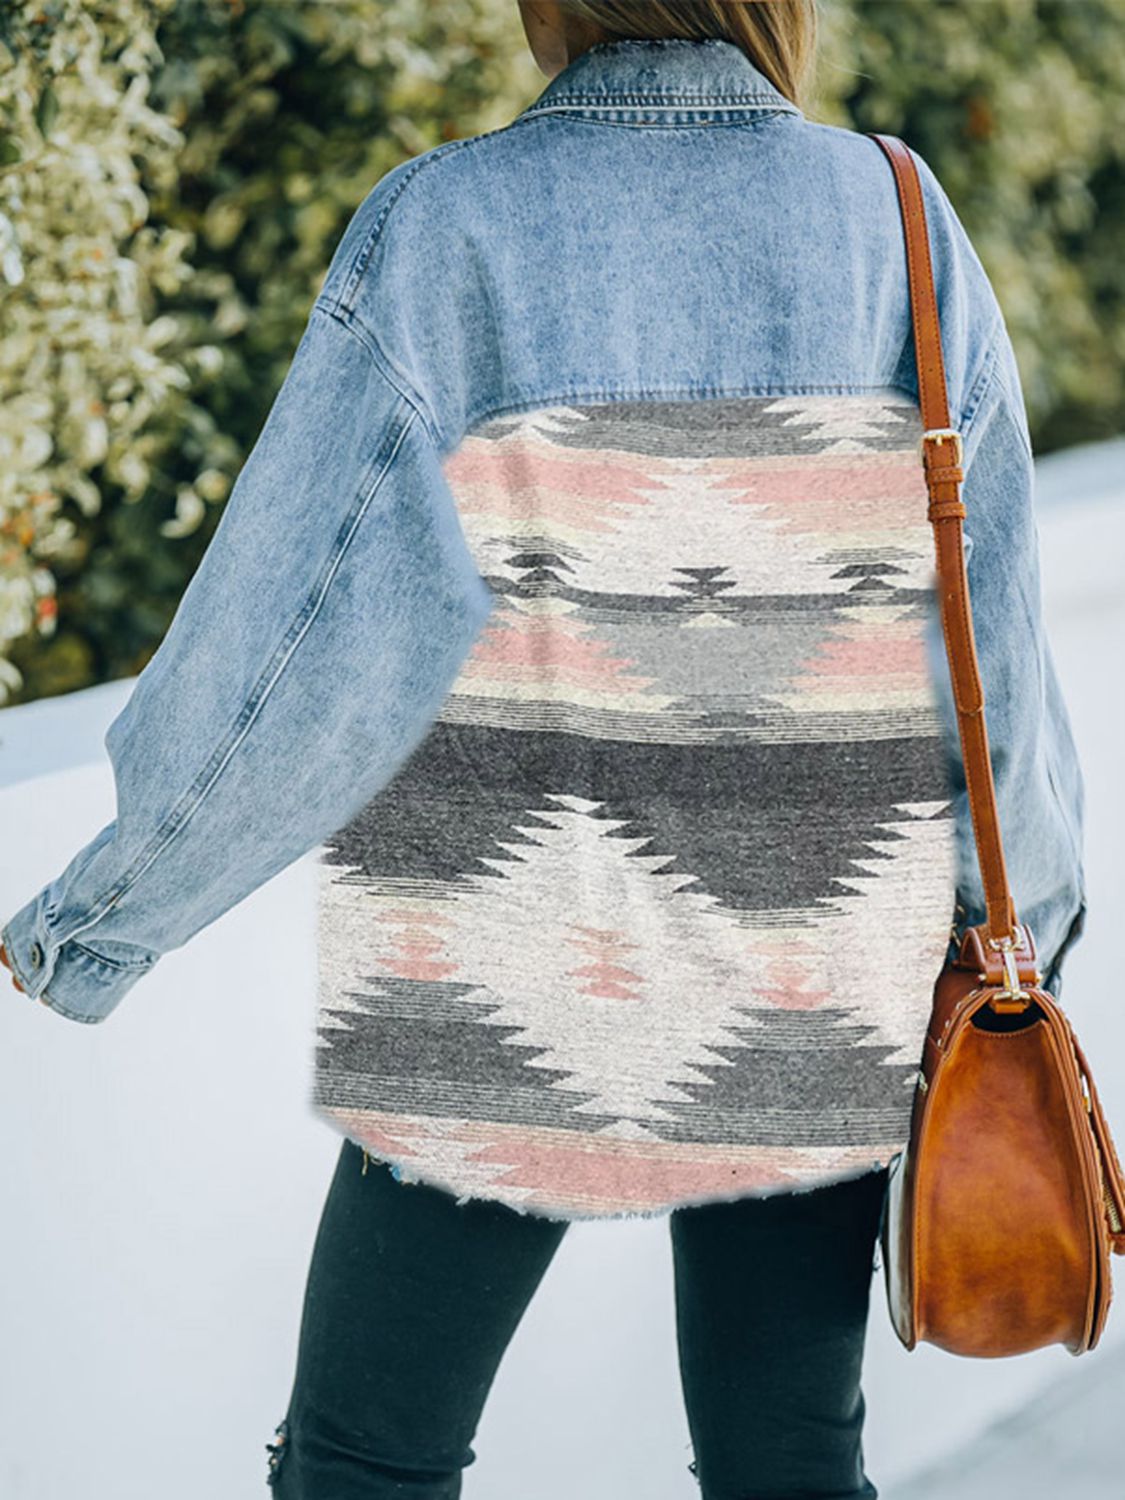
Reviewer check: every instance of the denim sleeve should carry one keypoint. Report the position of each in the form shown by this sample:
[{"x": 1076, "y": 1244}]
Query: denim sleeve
[
  {"x": 309, "y": 655},
  {"x": 1039, "y": 784}
]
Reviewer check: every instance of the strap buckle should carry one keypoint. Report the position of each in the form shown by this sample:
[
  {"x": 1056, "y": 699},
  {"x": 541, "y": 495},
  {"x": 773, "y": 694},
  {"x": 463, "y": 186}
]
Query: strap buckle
[
  {"x": 939, "y": 435},
  {"x": 1013, "y": 993}
]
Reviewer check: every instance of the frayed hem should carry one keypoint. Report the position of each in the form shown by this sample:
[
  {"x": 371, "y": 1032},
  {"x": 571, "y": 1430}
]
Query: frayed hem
[{"x": 553, "y": 1213}]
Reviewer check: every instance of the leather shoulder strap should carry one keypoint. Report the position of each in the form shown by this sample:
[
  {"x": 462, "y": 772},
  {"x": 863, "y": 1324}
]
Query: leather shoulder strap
[{"x": 941, "y": 457}]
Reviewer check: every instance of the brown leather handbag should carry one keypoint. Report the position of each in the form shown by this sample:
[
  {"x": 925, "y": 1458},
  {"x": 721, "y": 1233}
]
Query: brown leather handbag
[{"x": 1002, "y": 1211}]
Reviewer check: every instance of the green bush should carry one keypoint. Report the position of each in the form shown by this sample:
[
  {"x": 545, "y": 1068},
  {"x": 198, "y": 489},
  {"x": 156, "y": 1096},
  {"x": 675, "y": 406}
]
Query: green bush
[
  {"x": 1019, "y": 106},
  {"x": 92, "y": 377},
  {"x": 175, "y": 176},
  {"x": 206, "y": 156}
]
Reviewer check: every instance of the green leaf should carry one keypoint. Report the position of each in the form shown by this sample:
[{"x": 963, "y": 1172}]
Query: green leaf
[{"x": 46, "y": 110}]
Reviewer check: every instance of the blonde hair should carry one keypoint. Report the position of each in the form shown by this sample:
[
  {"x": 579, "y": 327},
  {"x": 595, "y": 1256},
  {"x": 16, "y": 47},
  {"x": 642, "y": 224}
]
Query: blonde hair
[{"x": 778, "y": 36}]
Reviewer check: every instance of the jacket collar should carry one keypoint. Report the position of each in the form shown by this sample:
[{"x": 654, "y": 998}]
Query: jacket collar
[{"x": 675, "y": 73}]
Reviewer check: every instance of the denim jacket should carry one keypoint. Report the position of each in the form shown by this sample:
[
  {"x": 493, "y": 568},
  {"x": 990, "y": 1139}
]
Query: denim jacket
[{"x": 338, "y": 599}]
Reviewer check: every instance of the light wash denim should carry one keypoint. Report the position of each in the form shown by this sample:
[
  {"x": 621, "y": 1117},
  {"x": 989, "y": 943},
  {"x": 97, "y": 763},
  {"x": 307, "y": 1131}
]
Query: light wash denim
[{"x": 659, "y": 223}]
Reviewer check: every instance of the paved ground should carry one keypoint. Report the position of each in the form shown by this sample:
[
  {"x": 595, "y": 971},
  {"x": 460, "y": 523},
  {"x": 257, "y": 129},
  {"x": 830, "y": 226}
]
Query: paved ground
[{"x": 1066, "y": 1445}]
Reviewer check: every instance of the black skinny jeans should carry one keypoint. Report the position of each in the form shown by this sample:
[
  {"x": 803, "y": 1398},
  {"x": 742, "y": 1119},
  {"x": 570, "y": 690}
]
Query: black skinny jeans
[{"x": 412, "y": 1300}]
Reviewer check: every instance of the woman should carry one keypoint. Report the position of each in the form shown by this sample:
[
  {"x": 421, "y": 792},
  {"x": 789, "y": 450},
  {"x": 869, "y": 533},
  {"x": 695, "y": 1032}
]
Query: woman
[{"x": 577, "y": 596}]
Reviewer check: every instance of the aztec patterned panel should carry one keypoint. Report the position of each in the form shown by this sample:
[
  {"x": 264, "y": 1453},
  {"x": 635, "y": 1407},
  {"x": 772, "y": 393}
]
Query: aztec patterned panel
[{"x": 604, "y": 945}]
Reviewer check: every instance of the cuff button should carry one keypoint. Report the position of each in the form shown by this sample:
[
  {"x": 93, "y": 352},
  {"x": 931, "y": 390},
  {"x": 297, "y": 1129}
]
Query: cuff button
[{"x": 35, "y": 956}]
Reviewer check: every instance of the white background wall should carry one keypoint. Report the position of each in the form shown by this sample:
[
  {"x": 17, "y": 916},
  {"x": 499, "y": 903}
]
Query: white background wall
[{"x": 162, "y": 1174}]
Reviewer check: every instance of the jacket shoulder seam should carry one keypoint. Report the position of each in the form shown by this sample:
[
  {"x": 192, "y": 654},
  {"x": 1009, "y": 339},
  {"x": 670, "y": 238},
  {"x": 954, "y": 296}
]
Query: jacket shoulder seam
[
  {"x": 353, "y": 324},
  {"x": 375, "y": 231}
]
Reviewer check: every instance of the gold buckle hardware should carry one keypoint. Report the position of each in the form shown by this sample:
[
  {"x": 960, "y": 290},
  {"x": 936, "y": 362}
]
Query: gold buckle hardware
[
  {"x": 1013, "y": 990},
  {"x": 939, "y": 435}
]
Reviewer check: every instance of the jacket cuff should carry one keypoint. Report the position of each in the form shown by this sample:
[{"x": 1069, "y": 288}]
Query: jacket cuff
[{"x": 68, "y": 977}]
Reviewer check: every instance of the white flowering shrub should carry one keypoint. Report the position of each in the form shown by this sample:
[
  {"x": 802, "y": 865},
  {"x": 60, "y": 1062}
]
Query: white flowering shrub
[
  {"x": 84, "y": 362},
  {"x": 174, "y": 175}
]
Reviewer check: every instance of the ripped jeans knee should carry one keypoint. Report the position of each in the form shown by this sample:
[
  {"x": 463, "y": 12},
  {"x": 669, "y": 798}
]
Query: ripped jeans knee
[
  {"x": 277, "y": 1451},
  {"x": 315, "y": 1465}
]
